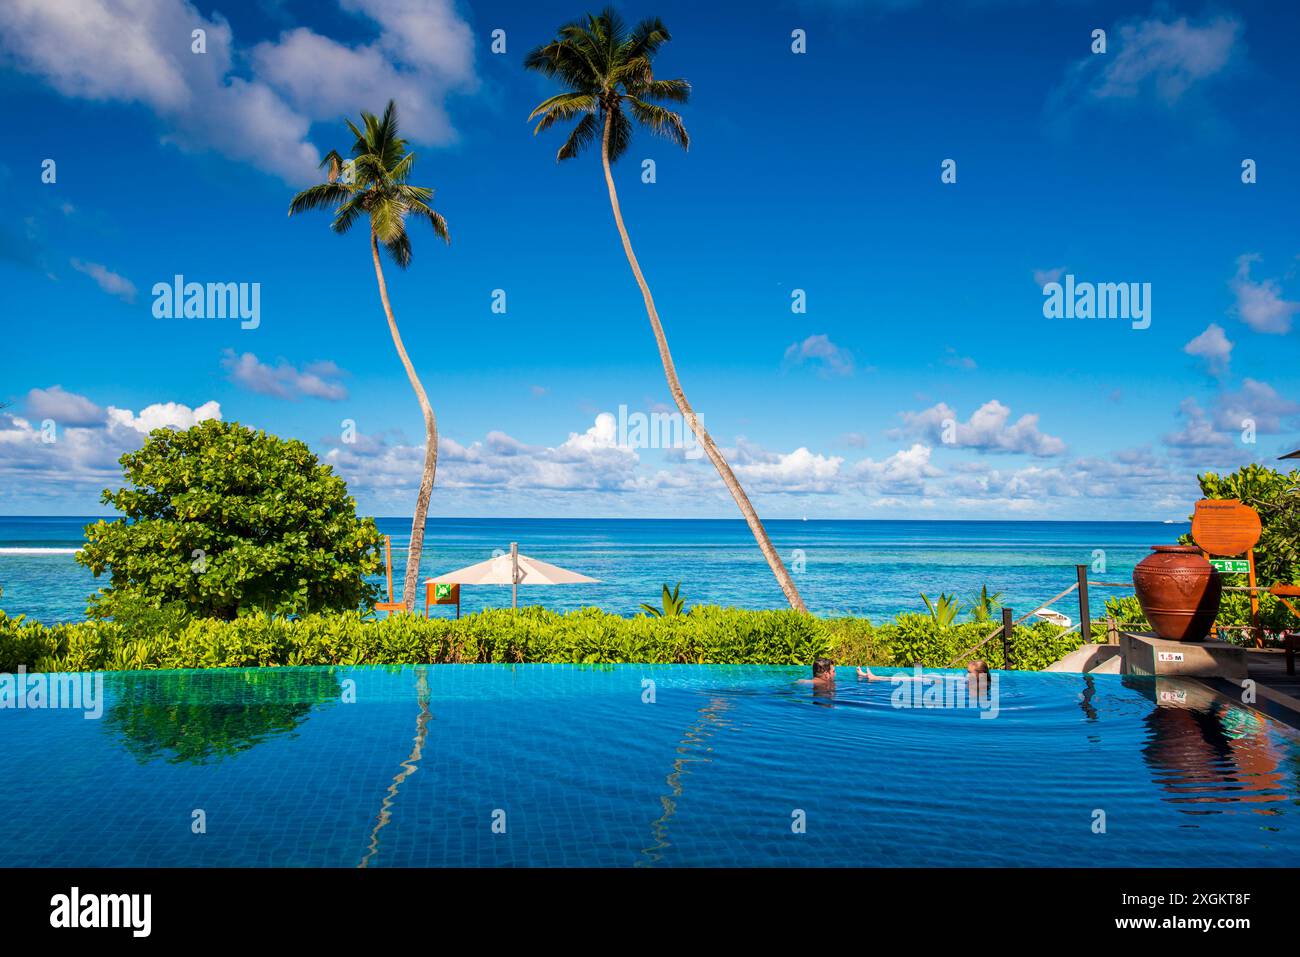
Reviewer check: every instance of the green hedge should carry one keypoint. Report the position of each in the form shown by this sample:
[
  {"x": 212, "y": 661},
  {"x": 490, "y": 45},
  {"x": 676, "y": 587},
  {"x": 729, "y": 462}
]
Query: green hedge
[
  {"x": 705, "y": 635},
  {"x": 914, "y": 638},
  {"x": 713, "y": 635}
]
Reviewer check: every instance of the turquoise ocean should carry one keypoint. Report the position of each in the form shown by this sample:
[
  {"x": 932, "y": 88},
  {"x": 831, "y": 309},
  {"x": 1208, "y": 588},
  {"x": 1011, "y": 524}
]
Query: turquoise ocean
[{"x": 871, "y": 568}]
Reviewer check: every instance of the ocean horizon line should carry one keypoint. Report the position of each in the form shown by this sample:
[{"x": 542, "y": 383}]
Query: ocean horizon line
[{"x": 733, "y": 521}]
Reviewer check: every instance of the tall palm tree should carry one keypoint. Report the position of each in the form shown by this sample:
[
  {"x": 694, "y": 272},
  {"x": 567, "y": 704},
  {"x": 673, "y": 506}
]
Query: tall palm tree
[
  {"x": 373, "y": 183},
  {"x": 607, "y": 71}
]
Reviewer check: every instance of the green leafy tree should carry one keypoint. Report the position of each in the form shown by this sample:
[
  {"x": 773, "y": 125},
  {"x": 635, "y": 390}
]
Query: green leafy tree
[
  {"x": 671, "y": 601},
  {"x": 610, "y": 83},
  {"x": 222, "y": 520},
  {"x": 373, "y": 185}
]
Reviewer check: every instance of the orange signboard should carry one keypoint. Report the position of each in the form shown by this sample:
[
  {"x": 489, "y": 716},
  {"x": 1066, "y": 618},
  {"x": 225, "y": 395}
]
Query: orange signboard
[
  {"x": 437, "y": 593},
  {"x": 1225, "y": 526}
]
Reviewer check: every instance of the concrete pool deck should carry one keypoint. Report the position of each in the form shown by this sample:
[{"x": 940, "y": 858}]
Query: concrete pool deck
[{"x": 1254, "y": 676}]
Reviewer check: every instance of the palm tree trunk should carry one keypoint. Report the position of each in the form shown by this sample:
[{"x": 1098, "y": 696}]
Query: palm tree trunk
[
  {"x": 430, "y": 438},
  {"x": 675, "y": 387}
]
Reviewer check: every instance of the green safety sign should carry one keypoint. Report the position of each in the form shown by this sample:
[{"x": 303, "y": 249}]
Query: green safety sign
[{"x": 1235, "y": 566}]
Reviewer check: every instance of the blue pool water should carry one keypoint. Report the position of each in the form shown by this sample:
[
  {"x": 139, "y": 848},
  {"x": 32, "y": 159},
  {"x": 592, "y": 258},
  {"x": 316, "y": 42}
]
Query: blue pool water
[
  {"x": 583, "y": 770},
  {"x": 872, "y": 568}
]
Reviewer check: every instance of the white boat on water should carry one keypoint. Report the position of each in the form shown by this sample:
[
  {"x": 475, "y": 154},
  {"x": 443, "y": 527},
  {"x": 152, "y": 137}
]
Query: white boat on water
[{"x": 1055, "y": 617}]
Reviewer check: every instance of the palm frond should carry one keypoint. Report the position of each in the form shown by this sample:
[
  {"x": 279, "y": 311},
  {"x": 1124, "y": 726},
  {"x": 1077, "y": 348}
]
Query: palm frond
[
  {"x": 386, "y": 218},
  {"x": 411, "y": 193},
  {"x": 603, "y": 66},
  {"x": 660, "y": 121},
  {"x": 646, "y": 38},
  {"x": 583, "y": 135},
  {"x": 378, "y": 191},
  {"x": 348, "y": 214},
  {"x": 563, "y": 106},
  {"x": 359, "y": 144},
  {"x": 402, "y": 169},
  {"x": 399, "y": 248},
  {"x": 620, "y": 134},
  {"x": 675, "y": 91},
  {"x": 368, "y": 169},
  {"x": 419, "y": 208},
  {"x": 320, "y": 196}
]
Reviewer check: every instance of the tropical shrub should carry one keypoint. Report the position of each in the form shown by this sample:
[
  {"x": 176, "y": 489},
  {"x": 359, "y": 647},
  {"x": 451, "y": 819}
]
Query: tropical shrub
[
  {"x": 985, "y": 604},
  {"x": 220, "y": 520},
  {"x": 943, "y": 610},
  {"x": 912, "y": 639},
  {"x": 704, "y": 635},
  {"x": 671, "y": 601}
]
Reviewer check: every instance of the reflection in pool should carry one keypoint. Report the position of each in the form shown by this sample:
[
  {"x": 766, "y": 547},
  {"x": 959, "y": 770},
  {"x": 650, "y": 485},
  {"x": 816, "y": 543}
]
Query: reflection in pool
[
  {"x": 202, "y": 716},
  {"x": 630, "y": 765}
]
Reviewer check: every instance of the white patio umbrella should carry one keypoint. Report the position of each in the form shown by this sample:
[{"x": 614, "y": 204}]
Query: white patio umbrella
[{"x": 514, "y": 570}]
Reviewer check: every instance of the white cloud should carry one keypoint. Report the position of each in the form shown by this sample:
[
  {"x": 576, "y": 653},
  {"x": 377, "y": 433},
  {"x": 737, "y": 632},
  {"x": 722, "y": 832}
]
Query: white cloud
[
  {"x": 797, "y": 471},
  {"x": 65, "y": 408},
  {"x": 988, "y": 430},
  {"x": 1214, "y": 347},
  {"x": 830, "y": 359},
  {"x": 162, "y": 415},
  {"x": 1198, "y": 432},
  {"x": 139, "y": 51},
  {"x": 84, "y": 450},
  {"x": 1155, "y": 58},
  {"x": 602, "y": 435},
  {"x": 1257, "y": 402},
  {"x": 904, "y": 471},
  {"x": 284, "y": 381},
  {"x": 500, "y": 471},
  {"x": 109, "y": 281},
  {"x": 1260, "y": 304},
  {"x": 586, "y": 461},
  {"x": 423, "y": 52}
]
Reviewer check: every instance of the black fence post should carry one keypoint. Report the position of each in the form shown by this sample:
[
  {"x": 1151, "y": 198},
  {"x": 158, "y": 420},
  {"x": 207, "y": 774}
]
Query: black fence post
[
  {"x": 1006, "y": 638},
  {"x": 1085, "y": 615}
]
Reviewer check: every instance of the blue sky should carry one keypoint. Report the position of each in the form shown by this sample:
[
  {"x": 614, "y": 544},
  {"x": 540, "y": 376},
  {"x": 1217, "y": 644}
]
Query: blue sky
[{"x": 817, "y": 171}]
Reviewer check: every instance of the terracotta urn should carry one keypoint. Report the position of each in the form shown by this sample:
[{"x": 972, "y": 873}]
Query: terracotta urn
[{"x": 1179, "y": 592}]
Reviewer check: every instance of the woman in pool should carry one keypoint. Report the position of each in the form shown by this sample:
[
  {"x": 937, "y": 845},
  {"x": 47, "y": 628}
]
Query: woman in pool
[{"x": 977, "y": 675}]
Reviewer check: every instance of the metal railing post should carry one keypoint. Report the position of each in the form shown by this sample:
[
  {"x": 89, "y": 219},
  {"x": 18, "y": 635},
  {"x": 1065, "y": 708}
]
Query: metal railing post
[
  {"x": 1007, "y": 618},
  {"x": 1085, "y": 614}
]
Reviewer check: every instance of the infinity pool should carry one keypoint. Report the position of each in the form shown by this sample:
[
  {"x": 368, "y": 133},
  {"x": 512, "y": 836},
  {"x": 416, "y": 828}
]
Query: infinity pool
[{"x": 631, "y": 765}]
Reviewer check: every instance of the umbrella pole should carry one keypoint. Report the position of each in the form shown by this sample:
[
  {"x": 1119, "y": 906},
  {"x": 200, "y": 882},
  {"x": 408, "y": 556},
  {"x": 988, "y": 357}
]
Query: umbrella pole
[{"x": 514, "y": 575}]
